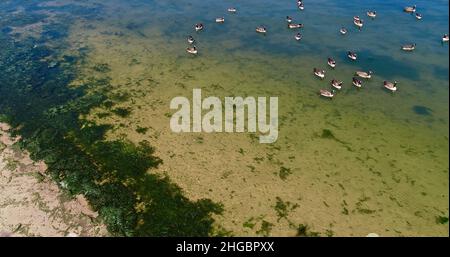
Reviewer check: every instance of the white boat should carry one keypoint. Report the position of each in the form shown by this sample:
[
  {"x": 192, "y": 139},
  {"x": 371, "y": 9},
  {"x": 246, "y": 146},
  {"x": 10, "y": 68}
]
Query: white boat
[
  {"x": 261, "y": 30},
  {"x": 220, "y": 20},
  {"x": 356, "y": 18},
  {"x": 363, "y": 74},
  {"x": 298, "y": 36},
  {"x": 192, "y": 50},
  {"x": 390, "y": 86},
  {"x": 336, "y": 84},
  {"x": 288, "y": 19},
  {"x": 319, "y": 73},
  {"x": 326, "y": 93},
  {"x": 331, "y": 62},
  {"x": 356, "y": 82},
  {"x": 418, "y": 16},
  {"x": 343, "y": 31},
  {"x": 300, "y": 5},
  {"x": 295, "y": 26},
  {"x": 445, "y": 38},
  {"x": 232, "y": 10},
  {"x": 409, "y": 47},
  {"x": 352, "y": 55}
]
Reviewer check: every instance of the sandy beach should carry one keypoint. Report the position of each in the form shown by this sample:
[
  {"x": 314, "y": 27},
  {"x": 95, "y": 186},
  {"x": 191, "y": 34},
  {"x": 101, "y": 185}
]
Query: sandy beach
[{"x": 31, "y": 204}]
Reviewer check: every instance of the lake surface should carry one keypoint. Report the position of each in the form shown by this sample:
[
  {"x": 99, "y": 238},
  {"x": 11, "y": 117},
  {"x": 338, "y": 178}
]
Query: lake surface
[{"x": 366, "y": 161}]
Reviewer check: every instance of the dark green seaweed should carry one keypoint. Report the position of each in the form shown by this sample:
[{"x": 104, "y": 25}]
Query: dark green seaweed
[{"x": 37, "y": 102}]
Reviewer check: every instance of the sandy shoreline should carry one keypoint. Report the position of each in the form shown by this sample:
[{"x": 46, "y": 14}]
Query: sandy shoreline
[{"x": 31, "y": 204}]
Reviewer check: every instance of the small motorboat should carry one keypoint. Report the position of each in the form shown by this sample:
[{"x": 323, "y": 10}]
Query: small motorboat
[
  {"x": 418, "y": 16},
  {"x": 343, "y": 31},
  {"x": 356, "y": 18},
  {"x": 363, "y": 74},
  {"x": 410, "y": 9},
  {"x": 352, "y": 55},
  {"x": 190, "y": 40},
  {"x": 409, "y": 47},
  {"x": 298, "y": 37},
  {"x": 300, "y": 5},
  {"x": 372, "y": 14},
  {"x": 326, "y": 93},
  {"x": 319, "y": 73},
  {"x": 288, "y": 19},
  {"x": 331, "y": 62},
  {"x": 445, "y": 38},
  {"x": 295, "y": 26},
  {"x": 220, "y": 20},
  {"x": 390, "y": 86},
  {"x": 356, "y": 82},
  {"x": 261, "y": 29},
  {"x": 192, "y": 50},
  {"x": 232, "y": 10},
  {"x": 198, "y": 26},
  {"x": 358, "y": 23},
  {"x": 336, "y": 84}
]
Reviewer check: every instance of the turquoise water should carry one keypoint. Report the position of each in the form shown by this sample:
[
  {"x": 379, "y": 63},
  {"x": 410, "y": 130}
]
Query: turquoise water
[
  {"x": 378, "y": 44},
  {"x": 392, "y": 148}
]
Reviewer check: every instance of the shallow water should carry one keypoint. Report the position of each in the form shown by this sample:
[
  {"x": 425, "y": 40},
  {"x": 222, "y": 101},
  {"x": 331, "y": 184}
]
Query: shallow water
[{"x": 367, "y": 161}]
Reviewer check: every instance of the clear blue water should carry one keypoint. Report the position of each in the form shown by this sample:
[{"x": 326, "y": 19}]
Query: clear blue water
[{"x": 380, "y": 129}]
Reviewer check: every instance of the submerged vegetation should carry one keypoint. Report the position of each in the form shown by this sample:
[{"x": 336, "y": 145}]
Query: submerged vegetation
[
  {"x": 441, "y": 220},
  {"x": 35, "y": 98},
  {"x": 283, "y": 208},
  {"x": 305, "y": 231}
]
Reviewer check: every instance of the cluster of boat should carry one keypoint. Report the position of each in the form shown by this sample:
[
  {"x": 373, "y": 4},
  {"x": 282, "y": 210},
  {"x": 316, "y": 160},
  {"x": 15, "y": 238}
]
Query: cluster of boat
[{"x": 353, "y": 56}]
